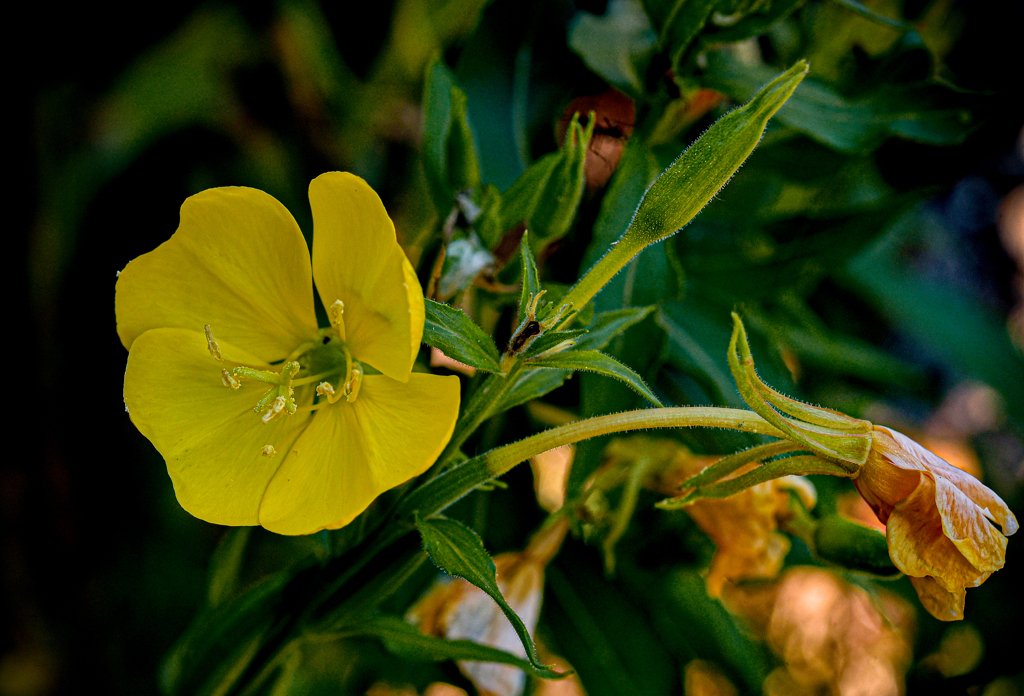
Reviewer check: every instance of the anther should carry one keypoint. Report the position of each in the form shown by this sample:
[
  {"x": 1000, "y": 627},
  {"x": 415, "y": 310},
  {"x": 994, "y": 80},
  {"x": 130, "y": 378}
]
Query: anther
[
  {"x": 353, "y": 385},
  {"x": 268, "y": 451},
  {"x": 275, "y": 409},
  {"x": 335, "y": 313},
  {"x": 327, "y": 389},
  {"x": 228, "y": 380},
  {"x": 212, "y": 344}
]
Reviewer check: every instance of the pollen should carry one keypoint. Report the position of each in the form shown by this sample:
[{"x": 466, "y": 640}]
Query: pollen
[
  {"x": 212, "y": 344},
  {"x": 353, "y": 385},
  {"x": 335, "y": 313},
  {"x": 268, "y": 451},
  {"x": 276, "y": 409},
  {"x": 327, "y": 389},
  {"x": 228, "y": 380}
]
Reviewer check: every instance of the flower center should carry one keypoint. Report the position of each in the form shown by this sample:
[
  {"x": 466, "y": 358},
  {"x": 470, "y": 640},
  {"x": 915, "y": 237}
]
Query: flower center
[{"x": 326, "y": 362}]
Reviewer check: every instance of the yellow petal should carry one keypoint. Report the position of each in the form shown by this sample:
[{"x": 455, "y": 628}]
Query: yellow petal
[
  {"x": 357, "y": 259},
  {"x": 207, "y": 432},
  {"x": 353, "y": 452},
  {"x": 941, "y": 603},
  {"x": 238, "y": 262},
  {"x": 919, "y": 547}
]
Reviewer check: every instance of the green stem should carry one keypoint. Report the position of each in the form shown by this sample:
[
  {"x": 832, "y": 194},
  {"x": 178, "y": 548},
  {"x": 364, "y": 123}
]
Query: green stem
[
  {"x": 621, "y": 253},
  {"x": 440, "y": 492}
]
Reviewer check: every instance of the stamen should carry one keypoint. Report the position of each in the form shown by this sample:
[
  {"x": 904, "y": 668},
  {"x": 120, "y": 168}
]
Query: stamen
[
  {"x": 228, "y": 380},
  {"x": 327, "y": 389},
  {"x": 353, "y": 385},
  {"x": 532, "y": 311},
  {"x": 212, "y": 344},
  {"x": 268, "y": 451},
  {"x": 279, "y": 405},
  {"x": 335, "y": 313}
]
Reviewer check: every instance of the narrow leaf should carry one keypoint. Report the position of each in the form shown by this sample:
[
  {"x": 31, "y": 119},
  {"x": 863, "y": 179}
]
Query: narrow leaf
[
  {"x": 457, "y": 550},
  {"x": 451, "y": 331},
  {"x": 437, "y": 118},
  {"x": 531, "y": 278},
  {"x": 921, "y": 112},
  {"x": 463, "y": 161},
  {"x": 550, "y": 339},
  {"x": 607, "y": 325},
  {"x": 596, "y": 361},
  {"x": 531, "y": 384},
  {"x": 408, "y": 642},
  {"x": 225, "y": 565}
]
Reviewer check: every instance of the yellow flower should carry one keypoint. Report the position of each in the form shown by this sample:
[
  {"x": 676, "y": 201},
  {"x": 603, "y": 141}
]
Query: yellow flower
[
  {"x": 937, "y": 520},
  {"x": 339, "y": 415}
]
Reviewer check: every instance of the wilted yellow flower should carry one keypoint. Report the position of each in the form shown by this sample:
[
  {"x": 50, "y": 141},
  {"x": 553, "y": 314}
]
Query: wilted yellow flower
[
  {"x": 744, "y": 526},
  {"x": 339, "y": 416},
  {"x": 832, "y": 637},
  {"x": 938, "y": 520},
  {"x": 458, "y": 610}
]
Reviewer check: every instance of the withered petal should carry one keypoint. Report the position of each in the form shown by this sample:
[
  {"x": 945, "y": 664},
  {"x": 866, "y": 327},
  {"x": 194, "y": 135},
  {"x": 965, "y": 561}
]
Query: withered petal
[
  {"x": 943, "y": 604},
  {"x": 964, "y": 523},
  {"x": 918, "y": 545}
]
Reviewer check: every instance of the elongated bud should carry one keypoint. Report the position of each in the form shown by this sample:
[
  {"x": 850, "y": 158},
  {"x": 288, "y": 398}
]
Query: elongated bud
[{"x": 692, "y": 180}]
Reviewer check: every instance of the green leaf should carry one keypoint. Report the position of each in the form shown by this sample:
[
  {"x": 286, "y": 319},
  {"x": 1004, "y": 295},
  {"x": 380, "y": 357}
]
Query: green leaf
[
  {"x": 752, "y": 24},
  {"x": 450, "y": 159},
  {"x": 487, "y": 71},
  {"x": 531, "y": 279},
  {"x": 222, "y": 640},
  {"x": 437, "y": 119},
  {"x": 548, "y": 193},
  {"x": 618, "y": 45},
  {"x": 225, "y": 565},
  {"x": 550, "y": 339},
  {"x": 678, "y": 23},
  {"x": 925, "y": 113},
  {"x": 530, "y": 385},
  {"x": 608, "y": 325},
  {"x": 955, "y": 325},
  {"x": 463, "y": 162},
  {"x": 596, "y": 361},
  {"x": 457, "y": 550},
  {"x": 408, "y": 642},
  {"x": 561, "y": 196},
  {"x": 451, "y": 331},
  {"x": 603, "y": 634},
  {"x": 533, "y": 384}
]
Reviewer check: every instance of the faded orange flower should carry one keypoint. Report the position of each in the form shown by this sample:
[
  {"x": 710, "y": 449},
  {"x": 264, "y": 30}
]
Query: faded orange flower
[
  {"x": 744, "y": 526},
  {"x": 832, "y": 636},
  {"x": 939, "y": 520}
]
